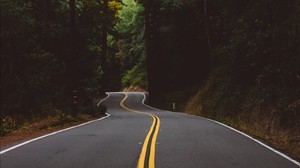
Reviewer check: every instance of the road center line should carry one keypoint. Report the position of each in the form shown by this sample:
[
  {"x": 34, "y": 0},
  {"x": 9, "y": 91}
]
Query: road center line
[{"x": 147, "y": 155}]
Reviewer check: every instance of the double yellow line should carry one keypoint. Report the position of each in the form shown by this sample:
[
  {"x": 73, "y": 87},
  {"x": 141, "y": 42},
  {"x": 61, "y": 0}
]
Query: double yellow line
[{"x": 147, "y": 156}]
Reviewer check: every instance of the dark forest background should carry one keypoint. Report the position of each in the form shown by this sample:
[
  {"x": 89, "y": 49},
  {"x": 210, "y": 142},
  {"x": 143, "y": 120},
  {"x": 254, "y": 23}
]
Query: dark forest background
[
  {"x": 235, "y": 61},
  {"x": 231, "y": 60}
]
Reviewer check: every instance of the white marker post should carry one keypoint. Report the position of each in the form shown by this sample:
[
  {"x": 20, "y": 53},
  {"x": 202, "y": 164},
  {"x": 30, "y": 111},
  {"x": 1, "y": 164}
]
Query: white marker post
[{"x": 174, "y": 106}]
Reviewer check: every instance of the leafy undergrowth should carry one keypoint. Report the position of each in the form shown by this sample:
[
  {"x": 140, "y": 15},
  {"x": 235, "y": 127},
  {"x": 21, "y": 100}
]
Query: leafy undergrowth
[
  {"x": 16, "y": 129},
  {"x": 43, "y": 126},
  {"x": 269, "y": 112},
  {"x": 281, "y": 131},
  {"x": 265, "y": 128}
]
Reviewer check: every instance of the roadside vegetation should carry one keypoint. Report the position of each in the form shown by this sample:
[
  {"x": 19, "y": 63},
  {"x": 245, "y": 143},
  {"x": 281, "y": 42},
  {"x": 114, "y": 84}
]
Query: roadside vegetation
[
  {"x": 230, "y": 60},
  {"x": 233, "y": 61},
  {"x": 51, "y": 48},
  {"x": 13, "y": 133},
  {"x": 261, "y": 112}
]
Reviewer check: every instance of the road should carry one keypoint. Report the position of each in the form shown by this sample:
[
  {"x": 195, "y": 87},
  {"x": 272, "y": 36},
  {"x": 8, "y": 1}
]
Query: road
[{"x": 136, "y": 135}]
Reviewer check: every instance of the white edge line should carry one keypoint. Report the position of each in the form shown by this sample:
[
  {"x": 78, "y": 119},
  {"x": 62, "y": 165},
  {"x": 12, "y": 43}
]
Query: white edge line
[
  {"x": 242, "y": 133},
  {"x": 255, "y": 140},
  {"x": 103, "y": 99},
  {"x": 53, "y": 133}
]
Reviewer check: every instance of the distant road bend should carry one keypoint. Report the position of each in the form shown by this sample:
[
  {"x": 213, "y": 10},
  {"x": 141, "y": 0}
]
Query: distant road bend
[{"x": 136, "y": 135}]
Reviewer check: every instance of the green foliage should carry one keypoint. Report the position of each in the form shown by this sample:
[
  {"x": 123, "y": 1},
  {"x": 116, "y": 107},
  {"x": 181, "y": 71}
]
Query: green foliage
[
  {"x": 136, "y": 76},
  {"x": 131, "y": 44},
  {"x": 115, "y": 6}
]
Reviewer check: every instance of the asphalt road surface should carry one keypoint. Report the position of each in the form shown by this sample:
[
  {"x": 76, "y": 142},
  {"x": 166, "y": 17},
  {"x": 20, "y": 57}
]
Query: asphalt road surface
[{"x": 136, "y": 135}]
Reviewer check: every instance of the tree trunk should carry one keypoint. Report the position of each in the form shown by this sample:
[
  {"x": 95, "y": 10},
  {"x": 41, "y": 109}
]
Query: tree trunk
[
  {"x": 72, "y": 17},
  {"x": 149, "y": 46},
  {"x": 72, "y": 58},
  {"x": 103, "y": 58},
  {"x": 207, "y": 30}
]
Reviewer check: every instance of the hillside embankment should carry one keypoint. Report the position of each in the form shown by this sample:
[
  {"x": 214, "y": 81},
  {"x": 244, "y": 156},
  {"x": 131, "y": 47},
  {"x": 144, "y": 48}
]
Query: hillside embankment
[{"x": 270, "y": 113}]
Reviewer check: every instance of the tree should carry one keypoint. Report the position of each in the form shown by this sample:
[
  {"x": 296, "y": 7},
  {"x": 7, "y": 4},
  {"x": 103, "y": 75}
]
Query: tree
[
  {"x": 104, "y": 65},
  {"x": 48, "y": 48},
  {"x": 130, "y": 44}
]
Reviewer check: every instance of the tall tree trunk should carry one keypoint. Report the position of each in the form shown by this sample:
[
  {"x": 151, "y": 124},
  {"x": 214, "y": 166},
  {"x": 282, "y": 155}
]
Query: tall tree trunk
[
  {"x": 155, "y": 63},
  {"x": 42, "y": 14},
  {"x": 103, "y": 58},
  {"x": 72, "y": 17},
  {"x": 46, "y": 14},
  {"x": 207, "y": 32},
  {"x": 72, "y": 57},
  {"x": 149, "y": 46},
  {"x": 72, "y": 35}
]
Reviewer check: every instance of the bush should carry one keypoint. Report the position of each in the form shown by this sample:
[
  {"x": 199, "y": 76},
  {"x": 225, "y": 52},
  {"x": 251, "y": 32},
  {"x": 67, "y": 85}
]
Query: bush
[
  {"x": 8, "y": 125},
  {"x": 136, "y": 76}
]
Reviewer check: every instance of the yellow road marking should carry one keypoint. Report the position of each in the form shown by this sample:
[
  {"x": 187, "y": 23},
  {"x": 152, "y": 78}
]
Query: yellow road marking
[
  {"x": 156, "y": 120},
  {"x": 153, "y": 144}
]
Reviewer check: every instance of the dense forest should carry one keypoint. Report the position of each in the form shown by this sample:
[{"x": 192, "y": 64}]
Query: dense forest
[
  {"x": 53, "y": 49},
  {"x": 234, "y": 61}
]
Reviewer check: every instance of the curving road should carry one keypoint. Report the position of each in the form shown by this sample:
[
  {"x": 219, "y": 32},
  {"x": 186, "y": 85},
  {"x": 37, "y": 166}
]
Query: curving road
[{"x": 136, "y": 135}]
